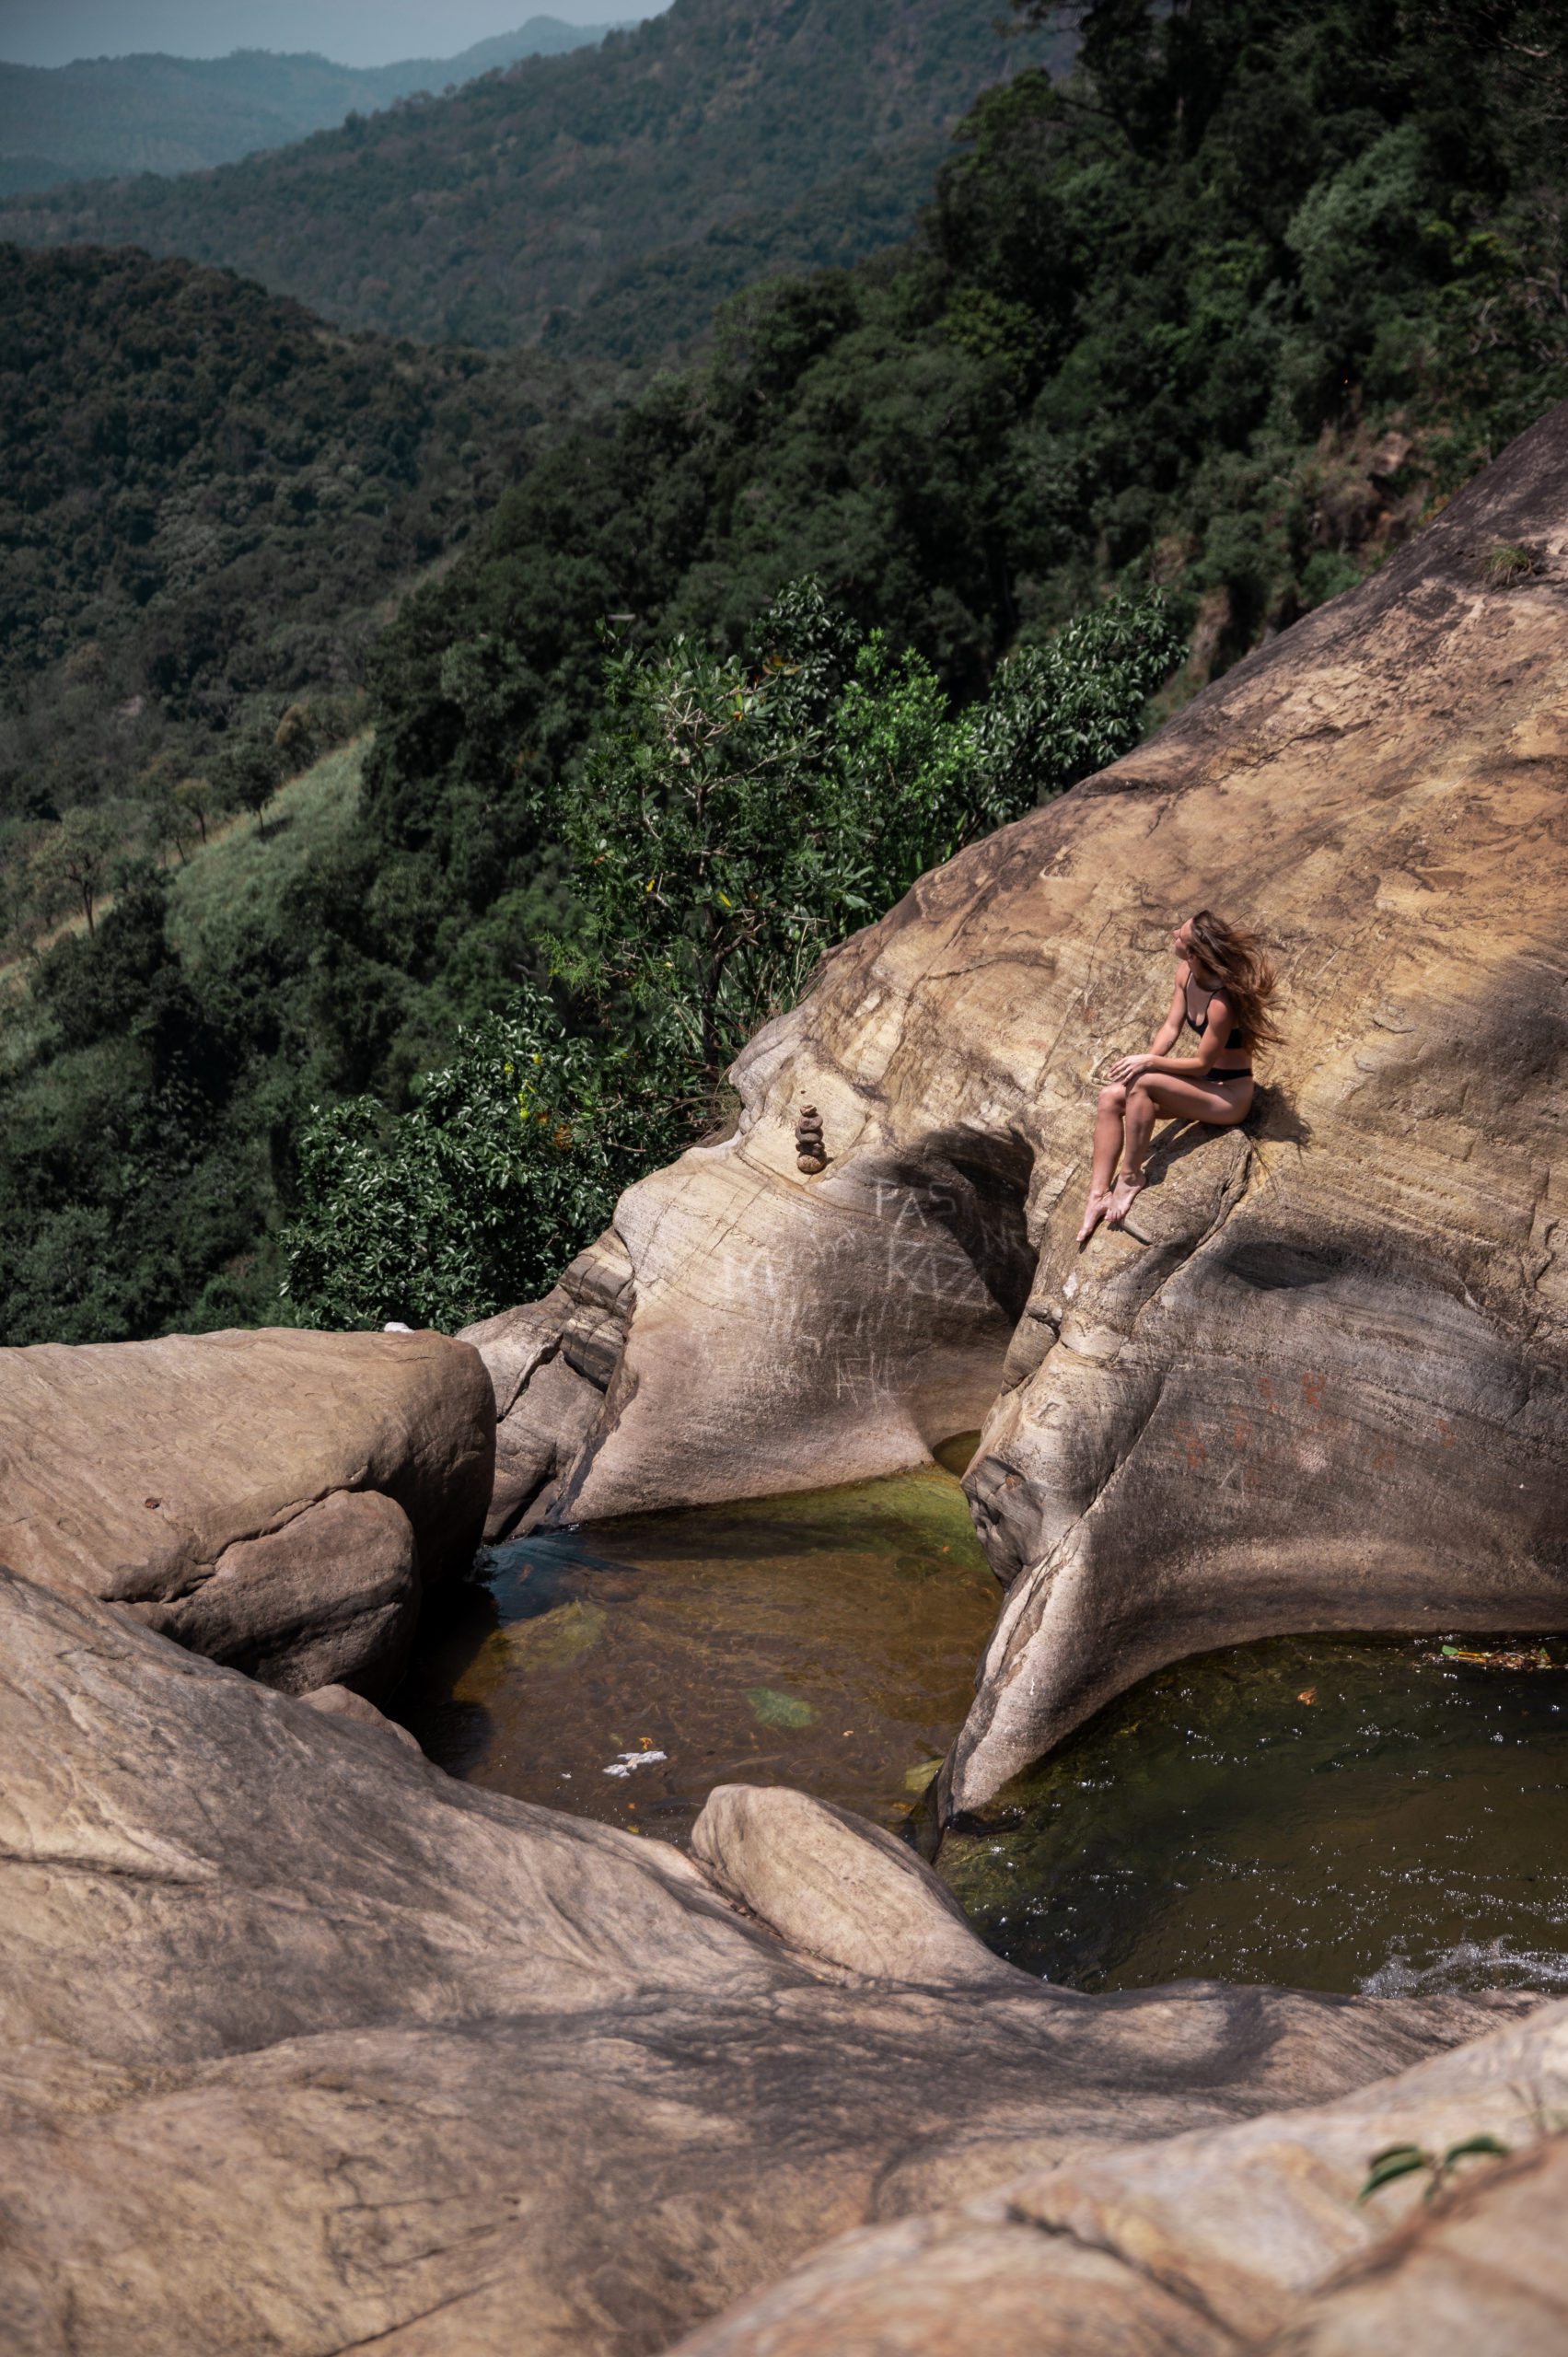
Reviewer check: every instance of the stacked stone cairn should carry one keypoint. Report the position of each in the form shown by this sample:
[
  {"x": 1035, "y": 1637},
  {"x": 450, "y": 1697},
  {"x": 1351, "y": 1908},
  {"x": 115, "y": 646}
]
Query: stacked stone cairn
[{"x": 811, "y": 1155}]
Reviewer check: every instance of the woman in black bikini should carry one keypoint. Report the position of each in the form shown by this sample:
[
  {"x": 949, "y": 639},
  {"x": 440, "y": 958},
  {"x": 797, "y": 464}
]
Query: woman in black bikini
[{"x": 1223, "y": 989}]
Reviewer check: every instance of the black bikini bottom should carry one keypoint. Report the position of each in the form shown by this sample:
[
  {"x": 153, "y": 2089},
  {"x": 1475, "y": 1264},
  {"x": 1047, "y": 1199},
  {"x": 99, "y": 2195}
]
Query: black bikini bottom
[{"x": 1232, "y": 1075}]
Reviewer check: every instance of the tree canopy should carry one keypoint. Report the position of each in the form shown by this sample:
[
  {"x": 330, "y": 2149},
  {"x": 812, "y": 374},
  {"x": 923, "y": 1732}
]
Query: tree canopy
[{"x": 1220, "y": 316}]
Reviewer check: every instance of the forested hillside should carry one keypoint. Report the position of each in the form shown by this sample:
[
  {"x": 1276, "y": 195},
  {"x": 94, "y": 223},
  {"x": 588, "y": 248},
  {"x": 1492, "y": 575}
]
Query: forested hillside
[
  {"x": 1181, "y": 348},
  {"x": 104, "y": 115},
  {"x": 206, "y": 499},
  {"x": 637, "y": 183},
  {"x": 1229, "y": 313}
]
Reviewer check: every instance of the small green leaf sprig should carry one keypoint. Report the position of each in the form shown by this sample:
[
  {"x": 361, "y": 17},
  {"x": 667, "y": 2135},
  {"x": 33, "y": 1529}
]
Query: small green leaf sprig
[{"x": 1407, "y": 2160}]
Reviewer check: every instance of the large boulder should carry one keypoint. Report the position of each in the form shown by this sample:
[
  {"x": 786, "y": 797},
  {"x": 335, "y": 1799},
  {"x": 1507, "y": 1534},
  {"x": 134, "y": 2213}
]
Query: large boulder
[
  {"x": 1321, "y": 1382},
  {"x": 306, "y": 2047},
  {"x": 276, "y": 1500}
]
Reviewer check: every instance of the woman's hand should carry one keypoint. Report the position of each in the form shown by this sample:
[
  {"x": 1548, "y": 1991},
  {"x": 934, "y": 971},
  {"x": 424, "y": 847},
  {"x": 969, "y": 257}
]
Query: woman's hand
[{"x": 1127, "y": 1069}]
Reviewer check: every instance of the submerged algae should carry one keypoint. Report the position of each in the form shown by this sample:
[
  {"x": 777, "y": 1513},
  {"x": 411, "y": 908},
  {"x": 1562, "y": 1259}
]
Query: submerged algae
[
  {"x": 826, "y": 1641},
  {"x": 1328, "y": 1813}
]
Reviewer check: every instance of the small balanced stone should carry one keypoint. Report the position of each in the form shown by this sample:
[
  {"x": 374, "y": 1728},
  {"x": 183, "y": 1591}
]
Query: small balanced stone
[{"x": 810, "y": 1162}]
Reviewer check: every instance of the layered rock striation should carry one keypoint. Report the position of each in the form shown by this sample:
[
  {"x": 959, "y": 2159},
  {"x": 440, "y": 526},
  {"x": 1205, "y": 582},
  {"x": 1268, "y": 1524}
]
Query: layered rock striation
[
  {"x": 1261, "y": 2237},
  {"x": 1320, "y": 1381}
]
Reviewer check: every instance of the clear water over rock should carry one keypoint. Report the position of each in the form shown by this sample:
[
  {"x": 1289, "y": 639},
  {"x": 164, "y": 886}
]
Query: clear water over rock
[
  {"x": 827, "y": 1642},
  {"x": 1327, "y": 1812}
]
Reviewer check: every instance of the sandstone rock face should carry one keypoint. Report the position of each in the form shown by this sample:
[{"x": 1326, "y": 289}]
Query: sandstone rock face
[
  {"x": 274, "y": 1500},
  {"x": 306, "y": 2047},
  {"x": 1242, "y": 2239},
  {"x": 1485, "y": 2270},
  {"x": 1321, "y": 1381},
  {"x": 551, "y": 1363},
  {"x": 839, "y": 1890}
]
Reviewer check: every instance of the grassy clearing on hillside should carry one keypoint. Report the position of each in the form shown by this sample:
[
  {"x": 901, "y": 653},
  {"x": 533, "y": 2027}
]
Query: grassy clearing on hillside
[
  {"x": 305, "y": 817},
  {"x": 242, "y": 875}
]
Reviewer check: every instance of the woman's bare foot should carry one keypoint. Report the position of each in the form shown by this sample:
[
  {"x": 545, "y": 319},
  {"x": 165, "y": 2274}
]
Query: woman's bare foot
[
  {"x": 1094, "y": 1211},
  {"x": 1124, "y": 1195}
]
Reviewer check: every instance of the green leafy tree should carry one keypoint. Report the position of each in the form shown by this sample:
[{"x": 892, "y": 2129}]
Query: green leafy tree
[
  {"x": 722, "y": 830},
  {"x": 732, "y": 818},
  {"x": 195, "y": 795},
  {"x": 249, "y": 776},
  {"x": 71, "y": 864},
  {"x": 166, "y": 822},
  {"x": 511, "y": 1159}
]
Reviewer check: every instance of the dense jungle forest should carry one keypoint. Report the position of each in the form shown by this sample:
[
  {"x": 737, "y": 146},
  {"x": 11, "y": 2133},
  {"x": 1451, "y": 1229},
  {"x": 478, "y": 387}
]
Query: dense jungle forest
[{"x": 421, "y": 768}]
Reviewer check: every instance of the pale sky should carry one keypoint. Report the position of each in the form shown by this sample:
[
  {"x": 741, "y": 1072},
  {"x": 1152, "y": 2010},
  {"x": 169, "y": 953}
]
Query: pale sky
[{"x": 354, "y": 32}]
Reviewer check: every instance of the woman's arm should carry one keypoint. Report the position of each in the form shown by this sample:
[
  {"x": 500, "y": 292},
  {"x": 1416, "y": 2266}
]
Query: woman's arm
[{"x": 1211, "y": 1046}]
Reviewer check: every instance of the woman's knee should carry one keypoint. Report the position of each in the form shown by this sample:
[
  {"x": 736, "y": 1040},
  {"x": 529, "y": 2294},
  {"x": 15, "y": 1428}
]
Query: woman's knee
[
  {"x": 1113, "y": 1097},
  {"x": 1142, "y": 1098}
]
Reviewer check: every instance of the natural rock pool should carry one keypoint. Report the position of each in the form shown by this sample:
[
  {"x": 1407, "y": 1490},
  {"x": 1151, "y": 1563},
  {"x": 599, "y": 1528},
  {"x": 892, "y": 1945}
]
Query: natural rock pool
[
  {"x": 1328, "y": 1813},
  {"x": 1331, "y": 1813},
  {"x": 826, "y": 1641}
]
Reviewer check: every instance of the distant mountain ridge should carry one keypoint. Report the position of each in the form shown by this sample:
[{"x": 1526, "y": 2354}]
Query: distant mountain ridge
[
  {"x": 615, "y": 193},
  {"x": 106, "y": 116}
]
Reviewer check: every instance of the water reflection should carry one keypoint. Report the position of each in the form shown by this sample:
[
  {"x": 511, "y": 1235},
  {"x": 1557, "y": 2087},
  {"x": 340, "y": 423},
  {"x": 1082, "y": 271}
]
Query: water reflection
[
  {"x": 827, "y": 1640},
  {"x": 1329, "y": 1813}
]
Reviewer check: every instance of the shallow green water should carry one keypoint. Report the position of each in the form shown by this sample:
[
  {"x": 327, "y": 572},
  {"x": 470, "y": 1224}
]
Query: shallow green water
[
  {"x": 827, "y": 1642},
  {"x": 1329, "y": 1813}
]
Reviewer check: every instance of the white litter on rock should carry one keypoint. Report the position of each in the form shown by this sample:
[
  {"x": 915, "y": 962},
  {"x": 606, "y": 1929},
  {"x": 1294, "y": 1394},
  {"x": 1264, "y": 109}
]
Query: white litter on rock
[
  {"x": 630, "y": 1760},
  {"x": 395, "y": 1326}
]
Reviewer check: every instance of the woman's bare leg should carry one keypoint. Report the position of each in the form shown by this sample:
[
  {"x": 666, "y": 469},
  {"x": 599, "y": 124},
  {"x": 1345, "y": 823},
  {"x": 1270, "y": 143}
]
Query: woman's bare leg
[
  {"x": 1189, "y": 1100},
  {"x": 1107, "y": 1153},
  {"x": 1108, "y": 1124},
  {"x": 1139, "y": 1127}
]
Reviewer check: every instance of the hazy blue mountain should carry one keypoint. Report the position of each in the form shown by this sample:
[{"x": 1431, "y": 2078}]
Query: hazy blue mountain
[
  {"x": 112, "y": 115},
  {"x": 611, "y": 196}
]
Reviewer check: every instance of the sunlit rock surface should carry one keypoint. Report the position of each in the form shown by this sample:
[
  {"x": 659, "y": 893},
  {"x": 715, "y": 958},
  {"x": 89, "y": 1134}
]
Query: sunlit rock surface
[
  {"x": 308, "y": 2047},
  {"x": 847, "y": 1892},
  {"x": 1320, "y": 1383},
  {"x": 279, "y": 1500},
  {"x": 1258, "y": 2238}
]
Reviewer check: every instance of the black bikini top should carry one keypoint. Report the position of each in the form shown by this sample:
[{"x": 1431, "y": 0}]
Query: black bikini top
[{"x": 1235, "y": 1040}]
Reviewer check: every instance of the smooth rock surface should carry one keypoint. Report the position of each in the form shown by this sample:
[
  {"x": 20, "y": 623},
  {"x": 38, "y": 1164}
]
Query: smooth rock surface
[
  {"x": 1321, "y": 1381},
  {"x": 550, "y": 1362},
  {"x": 304, "y": 2046},
  {"x": 276, "y": 1499},
  {"x": 342, "y": 1702},
  {"x": 1483, "y": 2271},
  {"x": 1229, "y": 2240},
  {"x": 845, "y": 1891}
]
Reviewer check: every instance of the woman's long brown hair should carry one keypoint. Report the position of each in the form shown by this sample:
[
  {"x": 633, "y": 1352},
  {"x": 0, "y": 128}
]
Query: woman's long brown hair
[{"x": 1249, "y": 982}]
